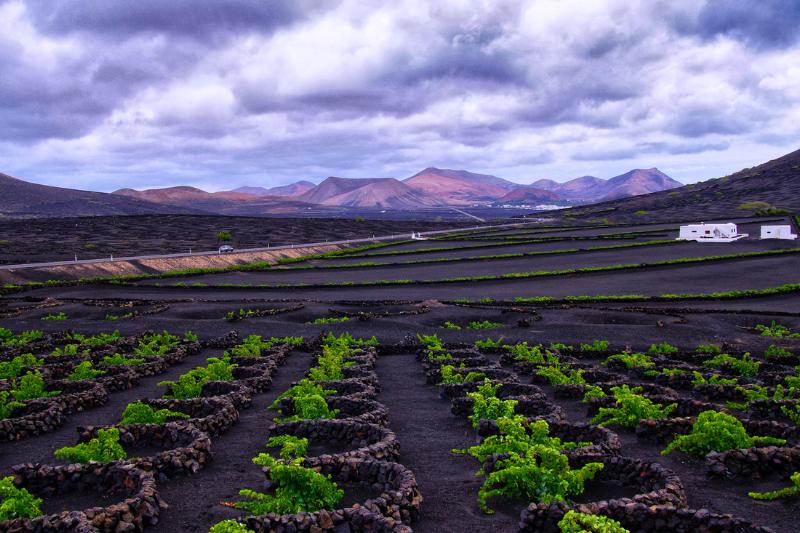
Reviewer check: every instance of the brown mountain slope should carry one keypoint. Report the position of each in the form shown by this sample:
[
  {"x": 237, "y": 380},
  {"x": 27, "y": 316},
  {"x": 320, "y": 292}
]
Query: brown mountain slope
[
  {"x": 293, "y": 189},
  {"x": 638, "y": 181},
  {"x": 528, "y": 195},
  {"x": 223, "y": 203},
  {"x": 23, "y": 199},
  {"x": 459, "y": 187},
  {"x": 592, "y": 189},
  {"x": 181, "y": 195},
  {"x": 386, "y": 193},
  {"x": 333, "y": 186},
  {"x": 776, "y": 183}
]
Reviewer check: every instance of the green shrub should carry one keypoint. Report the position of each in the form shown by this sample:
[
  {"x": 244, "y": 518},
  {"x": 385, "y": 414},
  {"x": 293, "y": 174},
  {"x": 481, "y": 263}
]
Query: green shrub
[
  {"x": 313, "y": 407},
  {"x": 543, "y": 475},
  {"x": 104, "y": 447},
  {"x": 55, "y": 316},
  {"x": 330, "y": 320},
  {"x": 488, "y": 342},
  {"x": 776, "y": 352},
  {"x": 708, "y": 349},
  {"x": 450, "y": 325},
  {"x": 716, "y": 432},
  {"x": 229, "y": 526},
  {"x": 560, "y": 346},
  {"x": 112, "y": 316},
  {"x": 304, "y": 387},
  {"x": 157, "y": 344},
  {"x": 595, "y": 346},
  {"x": 188, "y": 386},
  {"x": 664, "y": 348},
  {"x": 13, "y": 368},
  {"x": 216, "y": 369},
  {"x": 630, "y": 408},
  {"x": 431, "y": 342},
  {"x": 296, "y": 489},
  {"x": 84, "y": 371},
  {"x": 744, "y": 366},
  {"x": 26, "y": 337},
  {"x": 631, "y": 360},
  {"x": 487, "y": 406},
  {"x": 555, "y": 375},
  {"x": 141, "y": 413},
  {"x": 532, "y": 354},
  {"x": 291, "y": 447},
  {"x": 31, "y": 387},
  {"x": 714, "y": 379},
  {"x": 450, "y": 374},
  {"x": 786, "y": 492},
  {"x": 121, "y": 360},
  {"x": 576, "y": 522},
  {"x": 775, "y": 330},
  {"x": 16, "y": 502},
  {"x": 8, "y": 405},
  {"x": 485, "y": 324},
  {"x": 518, "y": 435},
  {"x": 792, "y": 413},
  {"x": 69, "y": 350}
]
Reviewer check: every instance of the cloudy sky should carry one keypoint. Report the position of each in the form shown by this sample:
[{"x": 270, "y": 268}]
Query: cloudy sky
[{"x": 104, "y": 94}]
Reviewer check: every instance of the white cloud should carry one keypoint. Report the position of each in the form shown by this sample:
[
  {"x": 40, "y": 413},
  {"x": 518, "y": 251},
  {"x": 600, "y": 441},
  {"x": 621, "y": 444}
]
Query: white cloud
[{"x": 523, "y": 89}]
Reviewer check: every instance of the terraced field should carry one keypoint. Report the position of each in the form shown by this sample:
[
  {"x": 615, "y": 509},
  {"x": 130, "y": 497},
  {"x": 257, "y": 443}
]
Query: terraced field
[{"x": 574, "y": 355}]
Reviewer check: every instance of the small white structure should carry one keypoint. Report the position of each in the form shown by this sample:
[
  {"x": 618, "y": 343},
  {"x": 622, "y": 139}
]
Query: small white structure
[
  {"x": 778, "y": 232},
  {"x": 727, "y": 232},
  {"x": 418, "y": 236}
]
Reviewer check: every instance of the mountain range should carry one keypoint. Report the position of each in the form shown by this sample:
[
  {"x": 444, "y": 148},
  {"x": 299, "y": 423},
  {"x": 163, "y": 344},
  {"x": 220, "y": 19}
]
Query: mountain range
[
  {"x": 431, "y": 188},
  {"x": 772, "y": 188}
]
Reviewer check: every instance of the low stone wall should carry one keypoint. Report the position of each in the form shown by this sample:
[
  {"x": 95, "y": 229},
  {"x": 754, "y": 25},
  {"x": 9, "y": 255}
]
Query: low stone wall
[
  {"x": 187, "y": 449},
  {"x": 755, "y": 462},
  {"x": 369, "y": 441},
  {"x": 641, "y": 518},
  {"x": 399, "y": 498},
  {"x": 35, "y": 418},
  {"x": 658, "y": 487},
  {"x": 214, "y": 416},
  {"x": 352, "y": 388},
  {"x": 141, "y": 508}
]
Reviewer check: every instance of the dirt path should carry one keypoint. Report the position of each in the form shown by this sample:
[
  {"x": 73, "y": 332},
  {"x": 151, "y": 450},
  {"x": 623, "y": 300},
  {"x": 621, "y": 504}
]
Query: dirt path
[
  {"x": 194, "y": 500},
  {"x": 427, "y": 432}
]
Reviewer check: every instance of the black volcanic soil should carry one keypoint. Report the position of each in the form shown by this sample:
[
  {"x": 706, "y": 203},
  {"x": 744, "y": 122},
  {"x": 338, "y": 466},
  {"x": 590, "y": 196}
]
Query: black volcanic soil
[
  {"x": 427, "y": 432},
  {"x": 59, "y": 239},
  {"x": 422, "y": 421}
]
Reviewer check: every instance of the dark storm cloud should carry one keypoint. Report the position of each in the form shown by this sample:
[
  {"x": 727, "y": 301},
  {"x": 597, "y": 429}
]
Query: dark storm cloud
[
  {"x": 145, "y": 90},
  {"x": 763, "y": 23},
  {"x": 197, "y": 18}
]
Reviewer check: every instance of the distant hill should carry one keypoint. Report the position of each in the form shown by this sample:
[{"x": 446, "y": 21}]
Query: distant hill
[
  {"x": 588, "y": 189},
  {"x": 459, "y": 187},
  {"x": 24, "y": 199},
  {"x": 433, "y": 187},
  {"x": 293, "y": 189},
  {"x": 639, "y": 181},
  {"x": 377, "y": 192},
  {"x": 529, "y": 195},
  {"x": 772, "y": 184},
  {"x": 180, "y": 195},
  {"x": 223, "y": 203}
]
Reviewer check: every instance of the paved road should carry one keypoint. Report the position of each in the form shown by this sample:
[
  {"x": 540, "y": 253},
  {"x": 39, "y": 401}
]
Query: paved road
[{"x": 382, "y": 238}]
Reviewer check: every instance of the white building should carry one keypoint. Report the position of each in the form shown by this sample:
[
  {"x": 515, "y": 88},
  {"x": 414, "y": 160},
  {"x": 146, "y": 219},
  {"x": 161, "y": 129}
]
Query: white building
[
  {"x": 778, "y": 232},
  {"x": 727, "y": 232}
]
